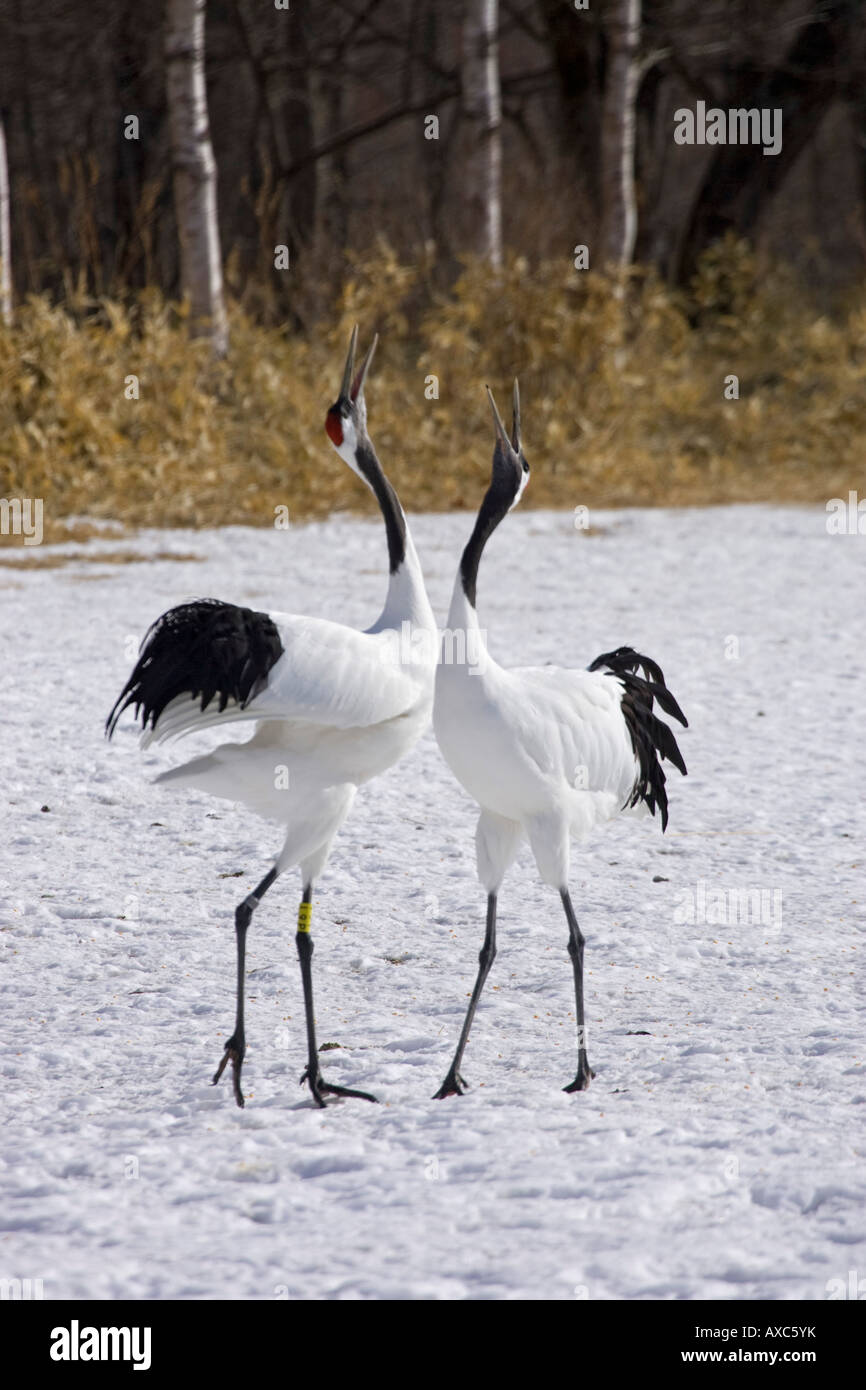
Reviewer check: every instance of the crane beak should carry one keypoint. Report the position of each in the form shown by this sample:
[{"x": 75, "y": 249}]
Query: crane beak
[
  {"x": 501, "y": 432},
  {"x": 515, "y": 419},
  {"x": 346, "y": 383},
  {"x": 352, "y": 385},
  {"x": 358, "y": 383}
]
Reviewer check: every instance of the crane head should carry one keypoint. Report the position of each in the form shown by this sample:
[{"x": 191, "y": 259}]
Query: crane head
[
  {"x": 346, "y": 421},
  {"x": 510, "y": 467}
]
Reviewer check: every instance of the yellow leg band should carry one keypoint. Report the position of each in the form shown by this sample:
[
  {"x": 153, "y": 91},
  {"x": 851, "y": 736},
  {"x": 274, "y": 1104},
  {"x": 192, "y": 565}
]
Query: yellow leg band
[{"x": 305, "y": 912}]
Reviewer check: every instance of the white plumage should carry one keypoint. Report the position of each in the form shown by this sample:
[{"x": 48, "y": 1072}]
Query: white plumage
[
  {"x": 340, "y": 707},
  {"x": 540, "y": 746},
  {"x": 547, "y": 753},
  {"x": 334, "y": 707}
]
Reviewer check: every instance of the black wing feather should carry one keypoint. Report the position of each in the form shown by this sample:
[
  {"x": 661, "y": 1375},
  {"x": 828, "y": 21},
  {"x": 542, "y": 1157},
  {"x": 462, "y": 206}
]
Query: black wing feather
[
  {"x": 651, "y": 738},
  {"x": 206, "y": 648}
]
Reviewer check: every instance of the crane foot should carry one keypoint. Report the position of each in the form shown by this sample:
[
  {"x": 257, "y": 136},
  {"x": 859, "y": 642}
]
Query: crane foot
[
  {"x": 321, "y": 1088},
  {"x": 234, "y": 1053},
  {"x": 453, "y": 1085},
  {"x": 582, "y": 1080}
]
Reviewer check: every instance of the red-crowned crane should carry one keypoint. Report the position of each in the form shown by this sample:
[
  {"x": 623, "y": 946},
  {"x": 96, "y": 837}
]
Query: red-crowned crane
[
  {"x": 334, "y": 706},
  {"x": 547, "y": 753}
]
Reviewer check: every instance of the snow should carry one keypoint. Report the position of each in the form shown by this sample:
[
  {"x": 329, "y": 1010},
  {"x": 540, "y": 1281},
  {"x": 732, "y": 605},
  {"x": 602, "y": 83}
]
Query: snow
[{"x": 719, "y": 1150}]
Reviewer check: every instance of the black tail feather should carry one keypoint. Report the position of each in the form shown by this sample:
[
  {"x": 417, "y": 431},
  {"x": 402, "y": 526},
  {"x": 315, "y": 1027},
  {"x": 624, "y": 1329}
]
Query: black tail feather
[
  {"x": 651, "y": 738},
  {"x": 206, "y": 648}
]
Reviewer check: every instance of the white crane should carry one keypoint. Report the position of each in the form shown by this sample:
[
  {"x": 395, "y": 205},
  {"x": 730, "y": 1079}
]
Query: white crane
[
  {"x": 334, "y": 707},
  {"x": 547, "y": 753}
]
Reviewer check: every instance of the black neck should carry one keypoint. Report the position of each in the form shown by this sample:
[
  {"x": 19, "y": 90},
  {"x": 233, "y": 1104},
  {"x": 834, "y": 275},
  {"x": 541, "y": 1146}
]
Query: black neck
[
  {"x": 497, "y": 501},
  {"x": 395, "y": 522}
]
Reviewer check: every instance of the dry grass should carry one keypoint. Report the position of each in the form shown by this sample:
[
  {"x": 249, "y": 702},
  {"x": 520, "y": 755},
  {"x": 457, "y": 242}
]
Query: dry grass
[
  {"x": 623, "y": 397},
  {"x": 34, "y": 559}
]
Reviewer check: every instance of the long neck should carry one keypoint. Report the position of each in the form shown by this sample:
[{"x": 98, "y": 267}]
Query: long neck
[
  {"x": 395, "y": 521},
  {"x": 407, "y": 596},
  {"x": 495, "y": 506}
]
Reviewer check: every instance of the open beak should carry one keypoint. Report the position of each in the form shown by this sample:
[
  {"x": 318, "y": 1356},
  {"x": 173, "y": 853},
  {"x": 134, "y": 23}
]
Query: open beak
[
  {"x": 351, "y": 390},
  {"x": 352, "y": 385},
  {"x": 501, "y": 432}
]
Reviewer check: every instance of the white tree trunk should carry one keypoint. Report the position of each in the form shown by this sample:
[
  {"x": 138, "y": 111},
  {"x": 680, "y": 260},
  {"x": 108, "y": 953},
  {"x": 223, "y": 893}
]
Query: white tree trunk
[
  {"x": 482, "y": 112},
  {"x": 194, "y": 172},
  {"x": 5, "y": 234},
  {"x": 622, "y": 20}
]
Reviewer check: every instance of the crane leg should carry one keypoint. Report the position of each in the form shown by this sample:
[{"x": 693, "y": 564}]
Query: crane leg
[
  {"x": 575, "y": 950},
  {"x": 235, "y": 1048},
  {"x": 312, "y": 1075},
  {"x": 454, "y": 1085}
]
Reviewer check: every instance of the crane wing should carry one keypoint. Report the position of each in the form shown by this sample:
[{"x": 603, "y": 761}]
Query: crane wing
[
  {"x": 211, "y": 663},
  {"x": 597, "y": 728}
]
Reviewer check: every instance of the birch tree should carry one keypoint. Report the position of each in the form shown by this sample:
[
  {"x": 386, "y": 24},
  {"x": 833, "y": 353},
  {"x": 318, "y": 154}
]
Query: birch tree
[
  {"x": 482, "y": 111},
  {"x": 619, "y": 207},
  {"x": 194, "y": 172},
  {"x": 5, "y": 233}
]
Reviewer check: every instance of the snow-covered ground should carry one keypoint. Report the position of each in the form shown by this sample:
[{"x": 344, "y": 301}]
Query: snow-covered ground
[{"x": 720, "y": 1149}]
